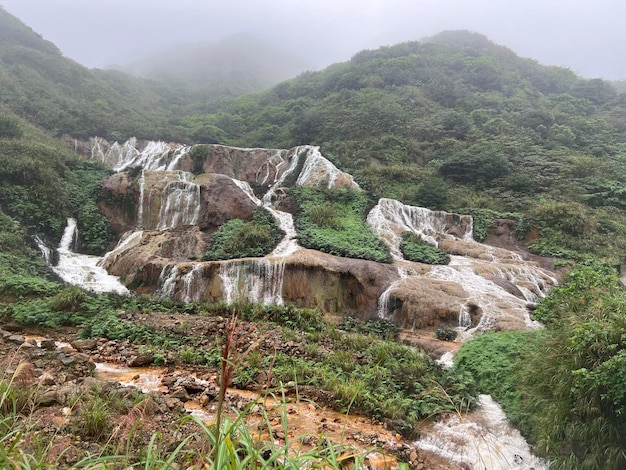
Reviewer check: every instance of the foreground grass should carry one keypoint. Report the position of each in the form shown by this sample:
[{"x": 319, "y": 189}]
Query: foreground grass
[{"x": 354, "y": 366}]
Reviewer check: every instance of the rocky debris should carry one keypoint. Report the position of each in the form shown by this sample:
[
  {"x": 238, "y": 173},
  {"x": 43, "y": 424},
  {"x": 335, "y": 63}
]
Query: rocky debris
[
  {"x": 63, "y": 379},
  {"x": 47, "y": 344},
  {"x": 141, "y": 360},
  {"x": 18, "y": 339},
  {"x": 84, "y": 344}
]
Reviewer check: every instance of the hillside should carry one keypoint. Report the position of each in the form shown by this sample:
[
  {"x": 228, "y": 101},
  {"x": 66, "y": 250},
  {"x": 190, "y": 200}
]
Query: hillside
[
  {"x": 458, "y": 123},
  {"x": 63, "y": 97},
  {"x": 233, "y": 66},
  {"x": 325, "y": 278}
]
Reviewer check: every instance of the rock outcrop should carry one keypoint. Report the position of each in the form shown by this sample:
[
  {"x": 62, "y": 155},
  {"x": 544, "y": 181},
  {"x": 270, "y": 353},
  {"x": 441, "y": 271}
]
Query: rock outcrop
[{"x": 166, "y": 200}]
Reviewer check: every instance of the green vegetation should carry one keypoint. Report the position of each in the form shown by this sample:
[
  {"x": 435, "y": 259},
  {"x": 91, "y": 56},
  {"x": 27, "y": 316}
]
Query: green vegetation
[
  {"x": 239, "y": 239},
  {"x": 455, "y": 123},
  {"x": 333, "y": 221},
  {"x": 564, "y": 386},
  {"x": 414, "y": 248},
  {"x": 496, "y": 361}
]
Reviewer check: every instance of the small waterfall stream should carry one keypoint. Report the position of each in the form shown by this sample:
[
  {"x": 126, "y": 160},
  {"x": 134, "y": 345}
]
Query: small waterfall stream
[
  {"x": 389, "y": 219},
  {"x": 253, "y": 280},
  {"x": 180, "y": 203},
  {"x": 289, "y": 244},
  {"x": 481, "y": 440},
  {"x": 167, "y": 281},
  {"x": 83, "y": 270}
]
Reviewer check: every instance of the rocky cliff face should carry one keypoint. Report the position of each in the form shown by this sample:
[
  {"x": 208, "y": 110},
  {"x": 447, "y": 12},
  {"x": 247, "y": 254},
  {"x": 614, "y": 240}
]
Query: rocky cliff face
[{"x": 166, "y": 200}]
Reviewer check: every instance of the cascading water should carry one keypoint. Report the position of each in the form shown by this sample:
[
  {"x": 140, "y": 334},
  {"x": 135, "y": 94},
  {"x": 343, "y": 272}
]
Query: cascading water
[
  {"x": 155, "y": 156},
  {"x": 384, "y": 299},
  {"x": 126, "y": 242},
  {"x": 83, "y": 270},
  {"x": 482, "y": 440},
  {"x": 192, "y": 282},
  {"x": 389, "y": 219},
  {"x": 289, "y": 244},
  {"x": 319, "y": 171},
  {"x": 167, "y": 281},
  {"x": 253, "y": 280},
  {"x": 142, "y": 189},
  {"x": 46, "y": 251},
  {"x": 180, "y": 203}
]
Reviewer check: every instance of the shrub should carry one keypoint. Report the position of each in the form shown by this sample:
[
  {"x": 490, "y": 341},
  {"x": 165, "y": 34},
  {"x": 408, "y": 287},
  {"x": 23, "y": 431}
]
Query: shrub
[
  {"x": 333, "y": 221},
  {"x": 10, "y": 128},
  {"x": 415, "y": 249},
  {"x": 239, "y": 239},
  {"x": 446, "y": 334}
]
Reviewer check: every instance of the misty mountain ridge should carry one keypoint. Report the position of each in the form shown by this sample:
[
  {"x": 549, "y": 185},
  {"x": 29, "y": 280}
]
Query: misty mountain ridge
[{"x": 232, "y": 66}]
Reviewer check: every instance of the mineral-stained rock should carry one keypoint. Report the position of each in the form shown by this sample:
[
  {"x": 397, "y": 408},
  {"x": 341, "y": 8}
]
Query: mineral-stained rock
[
  {"x": 84, "y": 344},
  {"x": 141, "y": 360},
  {"x": 47, "y": 344}
]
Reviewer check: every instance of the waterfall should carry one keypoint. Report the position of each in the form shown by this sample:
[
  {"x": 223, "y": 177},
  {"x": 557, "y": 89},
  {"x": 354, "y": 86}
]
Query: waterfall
[
  {"x": 127, "y": 241},
  {"x": 289, "y": 244},
  {"x": 167, "y": 281},
  {"x": 319, "y": 171},
  {"x": 383, "y": 300},
  {"x": 465, "y": 319},
  {"x": 83, "y": 270},
  {"x": 389, "y": 219},
  {"x": 481, "y": 439},
  {"x": 142, "y": 189},
  {"x": 192, "y": 282},
  {"x": 492, "y": 299},
  {"x": 253, "y": 280},
  {"x": 46, "y": 251},
  {"x": 180, "y": 203},
  {"x": 155, "y": 156},
  {"x": 69, "y": 238}
]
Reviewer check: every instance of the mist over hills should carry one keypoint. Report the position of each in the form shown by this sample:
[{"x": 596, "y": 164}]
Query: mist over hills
[
  {"x": 453, "y": 122},
  {"x": 233, "y": 66}
]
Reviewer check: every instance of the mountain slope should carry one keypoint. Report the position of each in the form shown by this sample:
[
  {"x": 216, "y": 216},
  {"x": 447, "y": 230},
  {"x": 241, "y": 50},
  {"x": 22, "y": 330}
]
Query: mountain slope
[
  {"x": 63, "y": 97},
  {"x": 456, "y": 122},
  {"x": 230, "y": 67}
]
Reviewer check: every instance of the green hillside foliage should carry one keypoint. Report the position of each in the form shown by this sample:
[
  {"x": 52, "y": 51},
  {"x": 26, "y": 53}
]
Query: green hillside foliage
[
  {"x": 333, "y": 221},
  {"x": 565, "y": 386},
  {"x": 239, "y": 239},
  {"x": 63, "y": 97},
  {"x": 496, "y": 131}
]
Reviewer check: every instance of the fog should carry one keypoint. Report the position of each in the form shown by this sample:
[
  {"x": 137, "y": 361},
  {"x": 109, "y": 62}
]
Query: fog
[{"x": 586, "y": 36}]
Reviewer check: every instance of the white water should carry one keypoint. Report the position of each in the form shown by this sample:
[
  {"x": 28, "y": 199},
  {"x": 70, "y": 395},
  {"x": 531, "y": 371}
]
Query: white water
[
  {"x": 483, "y": 439},
  {"x": 389, "y": 219},
  {"x": 155, "y": 156},
  {"x": 192, "y": 283},
  {"x": 180, "y": 203},
  {"x": 383, "y": 300},
  {"x": 127, "y": 241},
  {"x": 83, "y": 270},
  {"x": 142, "y": 190},
  {"x": 253, "y": 280},
  {"x": 167, "y": 281},
  {"x": 46, "y": 251},
  {"x": 319, "y": 171},
  {"x": 494, "y": 302},
  {"x": 289, "y": 244}
]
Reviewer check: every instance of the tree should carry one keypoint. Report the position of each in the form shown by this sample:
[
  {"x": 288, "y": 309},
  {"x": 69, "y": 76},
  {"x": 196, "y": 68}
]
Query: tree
[{"x": 10, "y": 128}]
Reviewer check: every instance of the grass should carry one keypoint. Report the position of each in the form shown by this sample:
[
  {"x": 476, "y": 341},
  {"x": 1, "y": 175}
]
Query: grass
[{"x": 117, "y": 427}]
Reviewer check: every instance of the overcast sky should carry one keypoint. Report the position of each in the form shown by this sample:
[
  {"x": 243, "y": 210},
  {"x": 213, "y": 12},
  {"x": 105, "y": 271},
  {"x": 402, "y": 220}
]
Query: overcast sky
[{"x": 587, "y": 36}]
